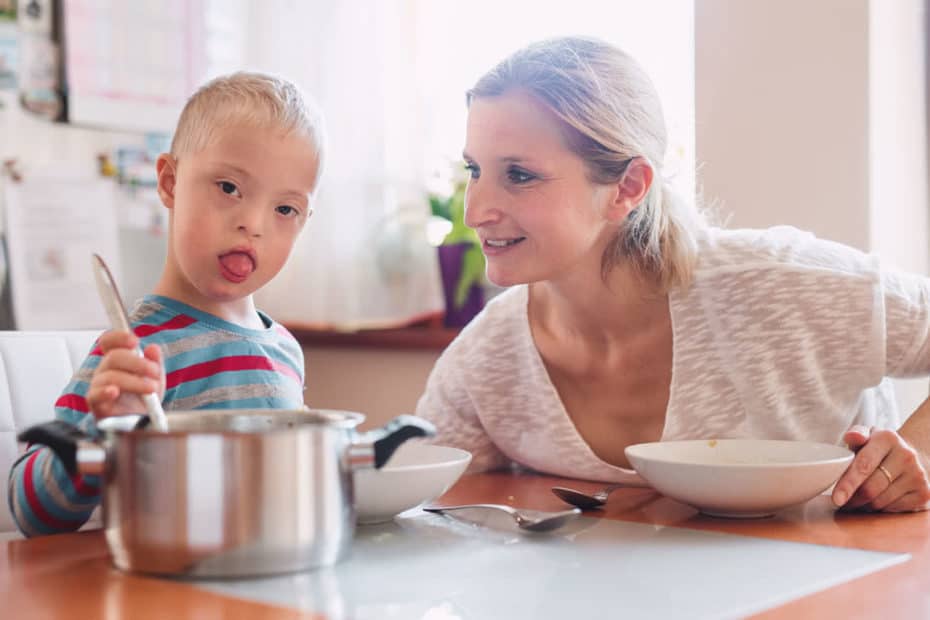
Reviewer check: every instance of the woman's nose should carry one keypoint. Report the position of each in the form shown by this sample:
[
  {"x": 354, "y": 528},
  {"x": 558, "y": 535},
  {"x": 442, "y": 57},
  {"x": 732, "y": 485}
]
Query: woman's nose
[{"x": 478, "y": 207}]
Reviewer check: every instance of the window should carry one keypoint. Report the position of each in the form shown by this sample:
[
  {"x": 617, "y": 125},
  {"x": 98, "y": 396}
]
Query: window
[{"x": 390, "y": 77}]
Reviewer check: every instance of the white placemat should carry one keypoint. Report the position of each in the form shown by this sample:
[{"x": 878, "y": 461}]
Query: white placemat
[{"x": 436, "y": 568}]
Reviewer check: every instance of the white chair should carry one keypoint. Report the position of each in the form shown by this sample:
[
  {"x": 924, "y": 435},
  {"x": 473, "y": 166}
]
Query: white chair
[{"x": 34, "y": 368}]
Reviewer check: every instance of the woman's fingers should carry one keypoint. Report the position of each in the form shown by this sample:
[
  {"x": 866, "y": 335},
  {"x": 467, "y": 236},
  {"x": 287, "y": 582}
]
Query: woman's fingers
[
  {"x": 891, "y": 478},
  {"x": 857, "y": 436},
  {"x": 869, "y": 456},
  {"x": 910, "y": 502},
  {"x": 909, "y": 487},
  {"x": 886, "y": 475}
]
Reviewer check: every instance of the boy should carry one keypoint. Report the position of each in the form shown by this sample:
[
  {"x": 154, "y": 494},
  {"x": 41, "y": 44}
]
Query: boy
[{"x": 244, "y": 163}]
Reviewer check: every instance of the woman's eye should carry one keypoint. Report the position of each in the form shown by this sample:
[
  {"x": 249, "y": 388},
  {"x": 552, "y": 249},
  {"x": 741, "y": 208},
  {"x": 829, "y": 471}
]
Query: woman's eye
[
  {"x": 473, "y": 170},
  {"x": 228, "y": 188},
  {"x": 515, "y": 175},
  {"x": 287, "y": 210}
]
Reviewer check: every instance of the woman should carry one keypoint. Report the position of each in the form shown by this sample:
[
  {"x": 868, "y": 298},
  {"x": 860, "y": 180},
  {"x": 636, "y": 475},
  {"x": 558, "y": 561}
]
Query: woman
[{"x": 628, "y": 319}]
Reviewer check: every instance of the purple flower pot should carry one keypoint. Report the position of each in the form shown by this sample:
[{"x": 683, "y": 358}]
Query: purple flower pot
[{"x": 450, "y": 266}]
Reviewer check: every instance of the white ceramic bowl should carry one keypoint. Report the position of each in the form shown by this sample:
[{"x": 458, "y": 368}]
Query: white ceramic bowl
[
  {"x": 416, "y": 474},
  {"x": 739, "y": 477}
]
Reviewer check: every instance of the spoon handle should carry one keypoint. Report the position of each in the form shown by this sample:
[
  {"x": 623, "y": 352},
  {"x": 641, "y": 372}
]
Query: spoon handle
[
  {"x": 442, "y": 509},
  {"x": 116, "y": 311}
]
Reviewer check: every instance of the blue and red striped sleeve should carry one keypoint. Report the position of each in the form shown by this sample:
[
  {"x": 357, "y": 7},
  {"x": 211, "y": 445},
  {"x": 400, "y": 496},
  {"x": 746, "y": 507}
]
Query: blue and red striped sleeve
[
  {"x": 205, "y": 368},
  {"x": 43, "y": 497}
]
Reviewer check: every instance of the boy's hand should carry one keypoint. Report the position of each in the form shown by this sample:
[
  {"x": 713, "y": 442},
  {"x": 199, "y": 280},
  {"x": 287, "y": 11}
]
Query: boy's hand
[{"x": 123, "y": 376}]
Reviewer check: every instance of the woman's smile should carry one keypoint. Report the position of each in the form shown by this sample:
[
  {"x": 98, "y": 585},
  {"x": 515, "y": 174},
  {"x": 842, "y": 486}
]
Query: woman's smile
[{"x": 500, "y": 245}]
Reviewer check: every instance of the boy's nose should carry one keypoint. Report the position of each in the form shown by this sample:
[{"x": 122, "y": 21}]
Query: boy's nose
[
  {"x": 250, "y": 222},
  {"x": 250, "y": 231}
]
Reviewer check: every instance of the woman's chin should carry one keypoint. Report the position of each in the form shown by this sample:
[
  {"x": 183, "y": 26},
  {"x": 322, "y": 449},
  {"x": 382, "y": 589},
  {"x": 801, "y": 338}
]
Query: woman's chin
[{"x": 504, "y": 280}]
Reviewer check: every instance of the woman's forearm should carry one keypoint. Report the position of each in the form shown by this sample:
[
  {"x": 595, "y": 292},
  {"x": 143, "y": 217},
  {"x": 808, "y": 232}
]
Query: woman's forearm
[{"x": 916, "y": 432}]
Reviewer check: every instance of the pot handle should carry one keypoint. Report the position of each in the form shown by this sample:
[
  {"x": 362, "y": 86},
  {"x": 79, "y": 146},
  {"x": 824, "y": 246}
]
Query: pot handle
[
  {"x": 377, "y": 446},
  {"x": 75, "y": 448}
]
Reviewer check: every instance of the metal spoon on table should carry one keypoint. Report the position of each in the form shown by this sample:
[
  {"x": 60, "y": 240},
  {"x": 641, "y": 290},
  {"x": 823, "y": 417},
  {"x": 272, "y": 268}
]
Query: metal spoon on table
[
  {"x": 116, "y": 312},
  {"x": 588, "y": 501},
  {"x": 530, "y": 520}
]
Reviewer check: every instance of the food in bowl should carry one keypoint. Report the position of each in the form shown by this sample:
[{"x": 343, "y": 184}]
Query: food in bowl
[
  {"x": 739, "y": 477},
  {"x": 416, "y": 474}
]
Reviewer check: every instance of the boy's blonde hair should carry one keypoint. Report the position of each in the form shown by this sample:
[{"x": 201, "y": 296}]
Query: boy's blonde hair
[
  {"x": 610, "y": 113},
  {"x": 251, "y": 99}
]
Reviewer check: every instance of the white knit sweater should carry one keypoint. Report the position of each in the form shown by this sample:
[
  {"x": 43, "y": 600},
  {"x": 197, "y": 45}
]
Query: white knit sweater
[{"x": 781, "y": 335}]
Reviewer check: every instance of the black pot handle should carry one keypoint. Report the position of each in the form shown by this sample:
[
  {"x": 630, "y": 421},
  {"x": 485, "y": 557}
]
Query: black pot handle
[
  {"x": 61, "y": 437},
  {"x": 387, "y": 439}
]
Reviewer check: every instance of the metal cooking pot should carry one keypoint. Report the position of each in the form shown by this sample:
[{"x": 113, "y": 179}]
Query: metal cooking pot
[{"x": 228, "y": 493}]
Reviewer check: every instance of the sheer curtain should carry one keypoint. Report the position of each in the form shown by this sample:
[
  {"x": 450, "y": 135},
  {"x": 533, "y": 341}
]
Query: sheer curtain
[
  {"x": 363, "y": 258},
  {"x": 390, "y": 77}
]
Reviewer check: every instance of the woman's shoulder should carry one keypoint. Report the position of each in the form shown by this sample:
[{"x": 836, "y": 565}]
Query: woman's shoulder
[{"x": 779, "y": 248}]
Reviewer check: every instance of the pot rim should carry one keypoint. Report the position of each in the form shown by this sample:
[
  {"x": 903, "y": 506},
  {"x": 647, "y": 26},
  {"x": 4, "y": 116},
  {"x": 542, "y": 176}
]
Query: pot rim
[{"x": 309, "y": 418}]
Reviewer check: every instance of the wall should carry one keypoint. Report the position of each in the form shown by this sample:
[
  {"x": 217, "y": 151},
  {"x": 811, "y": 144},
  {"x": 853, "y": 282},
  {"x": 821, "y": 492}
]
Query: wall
[
  {"x": 898, "y": 172},
  {"x": 814, "y": 114},
  {"x": 782, "y": 113},
  {"x": 377, "y": 382},
  {"x": 37, "y": 143}
]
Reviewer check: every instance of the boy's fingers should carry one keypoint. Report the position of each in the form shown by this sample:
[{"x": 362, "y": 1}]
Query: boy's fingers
[
  {"x": 128, "y": 382},
  {"x": 117, "y": 339},
  {"x": 101, "y": 400},
  {"x": 153, "y": 353},
  {"x": 127, "y": 360}
]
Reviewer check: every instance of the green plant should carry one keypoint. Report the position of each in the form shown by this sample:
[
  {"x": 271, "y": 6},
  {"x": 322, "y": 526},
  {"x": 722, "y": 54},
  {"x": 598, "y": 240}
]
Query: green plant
[{"x": 452, "y": 208}]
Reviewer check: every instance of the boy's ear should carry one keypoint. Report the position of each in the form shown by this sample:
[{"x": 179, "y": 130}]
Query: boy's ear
[
  {"x": 167, "y": 169},
  {"x": 631, "y": 189}
]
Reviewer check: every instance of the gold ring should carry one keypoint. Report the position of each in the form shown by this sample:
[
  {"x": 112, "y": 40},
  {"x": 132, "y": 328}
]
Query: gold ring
[{"x": 887, "y": 473}]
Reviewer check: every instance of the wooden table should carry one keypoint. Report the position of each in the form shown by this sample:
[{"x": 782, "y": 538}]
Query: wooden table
[{"x": 69, "y": 575}]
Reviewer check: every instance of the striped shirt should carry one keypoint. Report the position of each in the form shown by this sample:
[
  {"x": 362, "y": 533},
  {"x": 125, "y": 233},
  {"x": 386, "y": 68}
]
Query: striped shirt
[{"x": 209, "y": 364}]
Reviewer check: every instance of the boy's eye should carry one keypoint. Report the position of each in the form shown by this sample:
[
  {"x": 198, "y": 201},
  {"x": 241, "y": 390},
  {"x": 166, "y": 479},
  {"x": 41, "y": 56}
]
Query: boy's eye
[
  {"x": 473, "y": 170},
  {"x": 228, "y": 188},
  {"x": 287, "y": 210},
  {"x": 516, "y": 175}
]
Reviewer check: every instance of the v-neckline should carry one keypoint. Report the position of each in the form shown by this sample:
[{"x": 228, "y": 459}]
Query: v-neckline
[{"x": 564, "y": 419}]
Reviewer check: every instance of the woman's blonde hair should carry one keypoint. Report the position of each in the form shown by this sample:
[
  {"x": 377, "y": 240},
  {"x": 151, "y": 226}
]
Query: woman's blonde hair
[
  {"x": 250, "y": 99},
  {"x": 610, "y": 113}
]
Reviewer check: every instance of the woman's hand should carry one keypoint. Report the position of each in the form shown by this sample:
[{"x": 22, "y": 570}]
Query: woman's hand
[
  {"x": 123, "y": 376},
  {"x": 887, "y": 473}
]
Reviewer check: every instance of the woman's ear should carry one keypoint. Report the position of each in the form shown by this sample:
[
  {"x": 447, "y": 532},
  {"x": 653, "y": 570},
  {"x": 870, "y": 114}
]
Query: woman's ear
[
  {"x": 632, "y": 188},
  {"x": 167, "y": 169}
]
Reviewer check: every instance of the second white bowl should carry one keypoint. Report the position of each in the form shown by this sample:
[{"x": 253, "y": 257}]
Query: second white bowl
[
  {"x": 417, "y": 473},
  {"x": 739, "y": 477}
]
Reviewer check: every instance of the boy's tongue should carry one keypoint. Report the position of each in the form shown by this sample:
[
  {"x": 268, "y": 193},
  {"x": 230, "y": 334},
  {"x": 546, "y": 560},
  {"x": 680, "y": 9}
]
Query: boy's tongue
[{"x": 238, "y": 263}]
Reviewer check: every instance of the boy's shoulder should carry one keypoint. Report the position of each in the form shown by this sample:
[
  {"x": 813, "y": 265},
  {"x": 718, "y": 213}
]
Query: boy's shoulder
[
  {"x": 165, "y": 320},
  {"x": 159, "y": 319}
]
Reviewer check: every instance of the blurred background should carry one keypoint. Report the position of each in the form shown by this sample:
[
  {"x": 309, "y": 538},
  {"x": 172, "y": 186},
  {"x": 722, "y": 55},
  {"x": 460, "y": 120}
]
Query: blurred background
[{"x": 804, "y": 112}]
